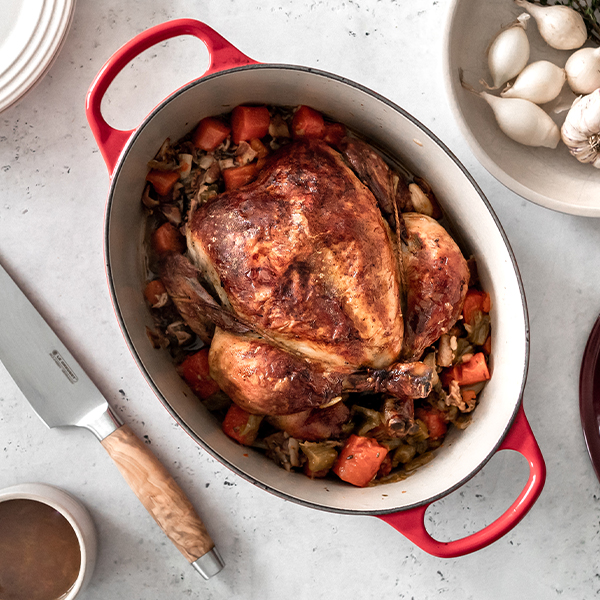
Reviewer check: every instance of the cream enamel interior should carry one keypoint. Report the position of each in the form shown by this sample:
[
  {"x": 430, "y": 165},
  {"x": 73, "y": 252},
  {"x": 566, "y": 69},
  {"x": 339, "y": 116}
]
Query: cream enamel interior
[{"x": 387, "y": 126}]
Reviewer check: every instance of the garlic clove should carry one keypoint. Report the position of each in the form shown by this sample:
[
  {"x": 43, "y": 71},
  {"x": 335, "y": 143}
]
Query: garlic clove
[
  {"x": 562, "y": 27},
  {"x": 509, "y": 52},
  {"x": 583, "y": 70},
  {"x": 523, "y": 121},
  {"x": 581, "y": 130},
  {"x": 539, "y": 82}
]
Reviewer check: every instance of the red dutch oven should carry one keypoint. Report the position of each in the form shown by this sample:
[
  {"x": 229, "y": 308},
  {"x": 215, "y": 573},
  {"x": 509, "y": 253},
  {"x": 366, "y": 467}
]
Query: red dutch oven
[{"x": 232, "y": 78}]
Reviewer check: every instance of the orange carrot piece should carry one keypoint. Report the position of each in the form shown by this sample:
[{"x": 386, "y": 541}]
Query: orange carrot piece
[
  {"x": 195, "y": 372},
  {"x": 308, "y": 123},
  {"x": 241, "y": 425},
  {"x": 473, "y": 371},
  {"x": 210, "y": 133},
  {"x": 475, "y": 301},
  {"x": 237, "y": 177},
  {"x": 166, "y": 239},
  {"x": 359, "y": 460},
  {"x": 249, "y": 122},
  {"x": 162, "y": 181},
  {"x": 154, "y": 292}
]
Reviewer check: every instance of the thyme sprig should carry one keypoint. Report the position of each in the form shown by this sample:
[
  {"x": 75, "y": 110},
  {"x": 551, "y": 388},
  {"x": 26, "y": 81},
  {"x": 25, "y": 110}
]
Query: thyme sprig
[{"x": 588, "y": 9}]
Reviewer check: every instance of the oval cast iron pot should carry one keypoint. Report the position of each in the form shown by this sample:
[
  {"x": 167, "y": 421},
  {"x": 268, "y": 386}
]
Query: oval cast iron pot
[{"x": 232, "y": 78}]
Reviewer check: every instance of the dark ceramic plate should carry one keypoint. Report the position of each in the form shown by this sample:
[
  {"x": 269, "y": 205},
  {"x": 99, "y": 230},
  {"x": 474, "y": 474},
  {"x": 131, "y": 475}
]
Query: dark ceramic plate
[{"x": 589, "y": 396}]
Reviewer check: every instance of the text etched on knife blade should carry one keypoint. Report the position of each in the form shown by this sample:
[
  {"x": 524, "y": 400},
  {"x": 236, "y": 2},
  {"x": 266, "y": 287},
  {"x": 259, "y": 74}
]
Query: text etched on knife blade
[{"x": 64, "y": 367}]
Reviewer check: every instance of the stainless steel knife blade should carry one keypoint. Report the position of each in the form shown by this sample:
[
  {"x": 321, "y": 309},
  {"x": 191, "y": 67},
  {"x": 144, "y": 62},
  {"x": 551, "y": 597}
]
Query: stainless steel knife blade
[
  {"x": 43, "y": 367},
  {"x": 62, "y": 394}
]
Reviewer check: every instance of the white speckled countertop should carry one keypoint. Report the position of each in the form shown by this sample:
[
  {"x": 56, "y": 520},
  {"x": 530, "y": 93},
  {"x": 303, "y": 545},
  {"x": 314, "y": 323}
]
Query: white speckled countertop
[{"x": 53, "y": 187}]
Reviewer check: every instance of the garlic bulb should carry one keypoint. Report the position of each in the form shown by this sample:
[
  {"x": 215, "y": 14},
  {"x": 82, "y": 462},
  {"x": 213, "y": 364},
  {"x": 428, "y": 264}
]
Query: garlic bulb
[
  {"x": 523, "y": 121},
  {"x": 583, "y": 70},
  {"x": 538, "y": 82},
  {"x": 562, "y": 27},
  {"x": 581, "y": 130},
  {"x": 509, "y": 52}
]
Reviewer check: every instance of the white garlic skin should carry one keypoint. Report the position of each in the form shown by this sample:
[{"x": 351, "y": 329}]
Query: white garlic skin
[
  {"x": 508, "y": 53},
  {"x": 583, "y": 70},
  {"x": 562, "y": 27},
  {"x": 523, "y": 121},
  {"x": 581, "y": 130},
  {"x": 539, "y": 82}
]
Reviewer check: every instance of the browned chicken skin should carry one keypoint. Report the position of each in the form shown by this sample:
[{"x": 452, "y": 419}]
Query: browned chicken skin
[
  {"x": 437, "y": 279},
  {"x": 304, "y": 254},
  {"x": 310, "y": 280},
  {"x": 265, "y": 379},
  {"x": 314, "y": 424}
]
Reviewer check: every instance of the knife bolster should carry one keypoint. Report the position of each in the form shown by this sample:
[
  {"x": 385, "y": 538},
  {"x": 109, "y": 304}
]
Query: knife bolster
[{"x": 102, "y": 424}]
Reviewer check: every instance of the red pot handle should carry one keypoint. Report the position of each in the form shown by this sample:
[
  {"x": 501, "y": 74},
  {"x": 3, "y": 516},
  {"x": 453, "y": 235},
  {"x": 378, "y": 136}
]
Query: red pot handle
[
  {"x": 411, "y": 523},
  {"x": 222, "y": 56}
]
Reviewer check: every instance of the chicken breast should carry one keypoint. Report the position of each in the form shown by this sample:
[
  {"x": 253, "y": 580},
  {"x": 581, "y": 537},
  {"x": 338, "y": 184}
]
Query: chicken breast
[{"x": 304, "y": 255}]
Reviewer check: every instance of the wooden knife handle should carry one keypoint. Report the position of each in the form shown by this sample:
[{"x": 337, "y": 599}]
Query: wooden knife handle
[{"x": 159, "y": 493}]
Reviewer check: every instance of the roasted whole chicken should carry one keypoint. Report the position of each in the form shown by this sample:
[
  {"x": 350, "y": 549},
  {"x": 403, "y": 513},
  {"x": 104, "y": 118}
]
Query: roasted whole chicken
[{"x": 317, "y": 278}]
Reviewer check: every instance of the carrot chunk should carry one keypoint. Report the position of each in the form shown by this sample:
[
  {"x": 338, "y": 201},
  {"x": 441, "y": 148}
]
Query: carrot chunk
[
  {"x": 155, "y": 292},
  {"x": 167, "y": 239},
  {"x": 308, "y": 123},
  {"x": 210, "y": 134},
  {"x": 249, "y": 122},
  {"x": 162, "y": 181},
  {"x": 241, "y": 425},
  {"x": 359, "y": 460},
  {"x": 434, "y": 419},
  {"x": 194, "y": 371},
  {"x": 473, "y": 371},
  {"x": 475, "y": 301},
  {"x": 239, "y": 176},
  {"x": 258, "y": 147}
]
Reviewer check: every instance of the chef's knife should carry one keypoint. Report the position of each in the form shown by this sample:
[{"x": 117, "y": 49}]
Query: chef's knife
[{"x": 63, "y": 395}]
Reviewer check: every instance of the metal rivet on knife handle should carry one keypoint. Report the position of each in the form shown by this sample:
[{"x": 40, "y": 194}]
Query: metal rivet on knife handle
[{"x": 163, "y": 499}]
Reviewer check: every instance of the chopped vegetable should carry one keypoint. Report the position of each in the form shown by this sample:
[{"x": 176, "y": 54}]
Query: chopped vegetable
[
  {"x": 195, "y": 372},
  {"x": 314, "y": 474},
  {"x": 321, "y": 456},
  {"x": 162, "y": 181},
  {"x": 475, "y": 301},
  {"x": 241, "y": 425},
  {"x": 166, "y": 239},
  {"x": 386, "y": 467},
  {"x": 403, "y": 454},
  {"x": 434, "y": 420},
  {"x": 258, "y": 147},
  {"x": 155, "y": 293},
  {"x": 359, "y": 460},
  {"x": 472, "y": 371},
  {"x": 210, "y": 134},
  {"x": 185, "y": 165},
  {"x": 249, "y": 122},
  {"x": 487, "y": 347},
  {"x": 334, "y": 133},
  {"x": 383, "y": 438},
  {"x": 308, "y": 123},
  {"x": 239, "y": 176}
]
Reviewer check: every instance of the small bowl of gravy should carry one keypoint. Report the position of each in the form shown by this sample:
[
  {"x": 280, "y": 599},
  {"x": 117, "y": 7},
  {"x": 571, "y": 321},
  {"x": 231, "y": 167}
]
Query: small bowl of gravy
[{"x": 47, "y": 543}]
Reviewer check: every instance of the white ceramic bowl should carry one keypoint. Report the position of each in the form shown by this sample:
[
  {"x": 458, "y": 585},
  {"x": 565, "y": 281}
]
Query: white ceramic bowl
[
  {"x": 550, "y": 178},
  {"x": 77, "y": 516}
]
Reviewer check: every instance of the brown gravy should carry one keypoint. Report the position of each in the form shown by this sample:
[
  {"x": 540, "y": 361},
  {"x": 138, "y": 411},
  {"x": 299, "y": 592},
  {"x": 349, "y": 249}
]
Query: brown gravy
[{"x": 39, "y": 552}]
